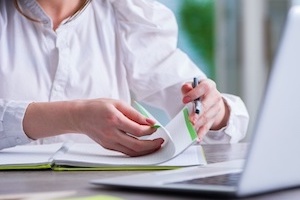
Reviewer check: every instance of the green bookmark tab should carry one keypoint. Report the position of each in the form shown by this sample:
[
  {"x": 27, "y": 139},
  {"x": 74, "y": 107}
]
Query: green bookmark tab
[
  {"x": 189, "y": 125},
  {"x": 143, "y": 111}
]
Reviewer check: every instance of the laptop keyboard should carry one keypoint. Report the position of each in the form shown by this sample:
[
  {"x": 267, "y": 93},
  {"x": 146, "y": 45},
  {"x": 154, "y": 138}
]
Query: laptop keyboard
[{"x": 224, "y": 179}]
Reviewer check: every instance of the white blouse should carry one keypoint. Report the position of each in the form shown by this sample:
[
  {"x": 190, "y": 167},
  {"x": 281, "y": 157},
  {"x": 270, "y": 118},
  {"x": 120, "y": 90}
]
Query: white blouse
[{"x": 120, "y": 49}]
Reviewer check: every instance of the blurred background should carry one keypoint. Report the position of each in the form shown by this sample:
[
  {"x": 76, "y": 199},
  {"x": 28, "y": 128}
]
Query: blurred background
[{"x": 233, "y": 41}]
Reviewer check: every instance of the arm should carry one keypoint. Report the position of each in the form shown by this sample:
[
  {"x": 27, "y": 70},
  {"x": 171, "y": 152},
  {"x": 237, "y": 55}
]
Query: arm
[{"x": 106, "y": 121}]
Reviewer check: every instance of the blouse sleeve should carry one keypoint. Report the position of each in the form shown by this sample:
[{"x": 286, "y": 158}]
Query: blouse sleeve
[{"x": 11, "y": 123}]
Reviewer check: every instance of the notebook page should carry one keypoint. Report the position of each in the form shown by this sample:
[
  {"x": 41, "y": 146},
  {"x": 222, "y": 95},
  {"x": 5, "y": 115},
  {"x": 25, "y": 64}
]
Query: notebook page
[
  {"x": 27, "y": 155},
  {"x": 193, "y": 155}
]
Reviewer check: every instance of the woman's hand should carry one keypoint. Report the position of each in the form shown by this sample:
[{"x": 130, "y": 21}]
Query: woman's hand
[
  {"x": 113, "y": 124},
  {"x": 214, "y": 112},
  {"x": 116, "y": 126}
]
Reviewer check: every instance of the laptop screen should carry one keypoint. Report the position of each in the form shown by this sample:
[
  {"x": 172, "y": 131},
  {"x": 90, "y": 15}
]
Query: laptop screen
[{"x": 272, "y": 161}]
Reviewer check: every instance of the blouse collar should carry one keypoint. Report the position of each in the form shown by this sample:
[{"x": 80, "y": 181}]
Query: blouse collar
[{"x": 35, "y": 11}]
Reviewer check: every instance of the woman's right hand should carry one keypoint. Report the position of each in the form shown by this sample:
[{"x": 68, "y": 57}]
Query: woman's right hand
[
  {"x": 113, "y": 124},
  {"x": 108, "y": 122}
]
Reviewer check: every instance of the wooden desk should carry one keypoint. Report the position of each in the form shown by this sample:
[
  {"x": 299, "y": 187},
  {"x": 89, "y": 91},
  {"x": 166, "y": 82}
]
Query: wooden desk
[{"x": 15, "y": 182}]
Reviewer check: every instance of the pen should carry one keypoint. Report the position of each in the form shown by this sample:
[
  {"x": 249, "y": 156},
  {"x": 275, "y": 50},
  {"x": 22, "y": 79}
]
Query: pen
[{"x": 196, "y": 101}]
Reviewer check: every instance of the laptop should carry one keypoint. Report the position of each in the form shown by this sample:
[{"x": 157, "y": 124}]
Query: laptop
[{"x": 272, "y": 161}]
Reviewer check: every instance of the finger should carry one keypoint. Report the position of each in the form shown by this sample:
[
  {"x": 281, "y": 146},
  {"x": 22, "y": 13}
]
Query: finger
[
  {"x": 134, "y": 147},
  {"x": 206, "y": 117},
  {"x": 202, "y": 88},
  {"x": 211, "y": 99},
  {"x": 124, "y": 143},
  {"x": 202, "y": 131},
  {"x": 131, "y": 121},
  {"x": 127, "y": 125},
  {"x": 133, "y": 114},
  {"x": 198, "y": 91},
  {"x": 139, "y": 145},
  {"x": 132, "y": 153},
  {"x": 205, "y": 122},
  {"x": 194, "y": 117},
  {"x": 186, "y": 88},
  {"x": 207, "y": 103}
]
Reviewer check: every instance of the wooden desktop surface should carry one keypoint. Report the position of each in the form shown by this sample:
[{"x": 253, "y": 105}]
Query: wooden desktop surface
[{"x": 17, "y": 182}]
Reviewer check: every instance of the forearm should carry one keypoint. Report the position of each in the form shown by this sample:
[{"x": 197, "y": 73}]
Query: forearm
[
  {"x": 106, "y": 121},
  {"x": 49, "y": 119}
]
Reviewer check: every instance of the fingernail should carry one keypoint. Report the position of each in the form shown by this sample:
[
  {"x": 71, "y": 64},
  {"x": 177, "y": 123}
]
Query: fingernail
[
  {"x": 162, "y": 141},
  {"x": 194, "y": 119},
  {"x": 199, "y": 139},
  {"x": 187, "y": 99}
]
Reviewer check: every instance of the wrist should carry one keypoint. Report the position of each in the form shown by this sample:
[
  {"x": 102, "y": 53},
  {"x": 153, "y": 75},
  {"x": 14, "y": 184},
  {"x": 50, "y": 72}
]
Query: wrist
[
  {"x": 74, "y": 116},
  {"x": 223, "y": 117},
  {"x": 46, "y": 119}
]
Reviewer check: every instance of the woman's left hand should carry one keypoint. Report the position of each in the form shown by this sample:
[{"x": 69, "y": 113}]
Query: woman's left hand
[{"x": 214, "y": 113}]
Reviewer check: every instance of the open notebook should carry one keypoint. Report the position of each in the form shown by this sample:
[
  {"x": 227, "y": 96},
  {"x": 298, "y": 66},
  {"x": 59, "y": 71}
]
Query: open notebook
[
  {"x": 177, "y": 151},
  {"x": 76, "y": 156}
]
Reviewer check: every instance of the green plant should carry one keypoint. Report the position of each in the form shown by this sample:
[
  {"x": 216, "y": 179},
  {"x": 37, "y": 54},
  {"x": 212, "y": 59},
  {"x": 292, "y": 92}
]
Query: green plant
[{"x": 197, "y": 19}]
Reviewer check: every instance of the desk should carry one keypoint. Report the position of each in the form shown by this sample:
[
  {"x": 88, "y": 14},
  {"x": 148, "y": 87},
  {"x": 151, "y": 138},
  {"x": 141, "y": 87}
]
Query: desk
[{"x": 15, "y": 182}]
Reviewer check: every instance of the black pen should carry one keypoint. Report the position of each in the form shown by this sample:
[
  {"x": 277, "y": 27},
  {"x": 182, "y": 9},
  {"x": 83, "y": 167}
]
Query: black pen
[{"x": 196, "y": 101}]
